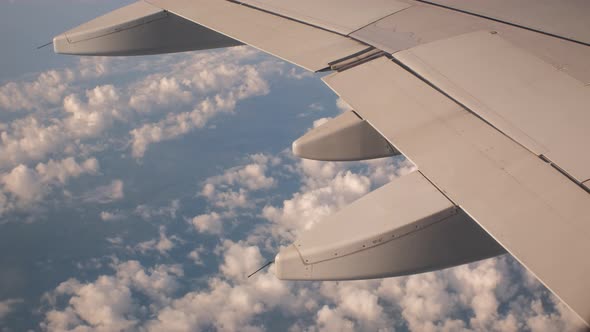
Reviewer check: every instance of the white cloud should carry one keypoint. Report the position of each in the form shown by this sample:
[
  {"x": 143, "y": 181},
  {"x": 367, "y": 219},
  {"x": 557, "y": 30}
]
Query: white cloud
[
  {"x": 343, "y": 105},
  {"x": 476, "y": 288},
  {"x": 561, "y": 320},
  {"x": 200, "y": 85},
  {"x": 231, "y": 301},
  {"x": 107, "y": 193},
  {"x": 208, "y": 223},
  {"x": 107, "y": 304},
  {"x": 48, "y": 88},
  {"x": 316, "y": 107},
  {"x": 322, "y": 196},
  {"x": 228, "y": 199},
  {"x": 299, "y": 74},
  {"x": 251, "y": 176},
  {"x": 115, "y": 240},
  {"x": 28, "y": 139},
  {"x": 173, "y": 126},
  {"x": 384, "y": 170},
  {"x": 62, "y": 170},
  {"x": 7, "y": 306},
  {"x": 159, "y": 283},
  {"x": 239, "y": 260},
  {"x": 147, "y": 212},
  {"x": 215, "y": 83},
  {"x": 162, "y": 245},
  {"x": 195, "y": 255},
  {"x": 425, "y": 301},
  {"x": 23, "y": 186},
  {"x": 231, "y": 189},
  {"x": 354, "y": 302},
  {"x": 331, "y": 320},
  {"x": 160, "y": 92},
  {"x": 32, "y": 138},
  {"x": 111, "y": 216},
  {"x": 94, "y": 66},
  {"x": 319, "y": 122},
  {"x": 23, "y": 183},
  {"x": 91, "y": 118}
]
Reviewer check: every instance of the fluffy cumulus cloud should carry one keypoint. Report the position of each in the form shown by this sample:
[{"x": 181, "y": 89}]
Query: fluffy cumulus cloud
[
  {"x": 162, "y": 245},
  {"x": 309, "y": 206},
  {"x": 231, "y": 189},
  {"x": 471, "y": 297},
  {"x": 36, "y": 136},
  {"x": 58, "y": 121},
  {"x": 60, "y": 115},
  {"x": 47, "y": 89},
  {"x": 90, "y": 117},
  {"x": 29, "y": 139},
  {"x": 230, "y": 301},
  {"x": 251, "y": 176},
  {"x": 40, "y": 146},
  {"x": 207, "y": 85},
  {"x": 107, "y": 193},
  {"x": 208, "y": 223},
  {"x": 327, "y": 187},
  {"x": 108, "y": 304},
  {"x": 23, "y": 186},
  {"x": 160, "y": 91},
  {"x": 64, "y": 115}
]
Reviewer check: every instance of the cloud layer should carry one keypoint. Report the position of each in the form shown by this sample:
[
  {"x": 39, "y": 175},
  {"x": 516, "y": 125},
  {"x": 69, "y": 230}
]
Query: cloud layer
[
  {"x": 63, "y": 115},
  {"x": 492, "y": 295},
  {"x": 61, "y": 121}
]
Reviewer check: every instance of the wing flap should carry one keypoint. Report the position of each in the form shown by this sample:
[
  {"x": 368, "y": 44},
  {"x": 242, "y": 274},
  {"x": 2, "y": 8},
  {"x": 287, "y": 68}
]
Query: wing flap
[
  {"x": 563, "y": 18},
  {"x": 526, "y": 98},
  {"x": 423, "y": 23},
  {"x": 536, "y": 213},
  {"x": 405, "y": 227},
  {"x": 303, "y": 45}
]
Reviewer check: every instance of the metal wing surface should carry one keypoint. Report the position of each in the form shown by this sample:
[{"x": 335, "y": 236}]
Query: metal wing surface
[{"x": 490, "y": 99}]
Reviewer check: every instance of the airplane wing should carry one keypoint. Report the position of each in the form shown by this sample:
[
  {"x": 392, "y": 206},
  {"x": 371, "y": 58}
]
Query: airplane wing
[{"x": 490, "y": 99}]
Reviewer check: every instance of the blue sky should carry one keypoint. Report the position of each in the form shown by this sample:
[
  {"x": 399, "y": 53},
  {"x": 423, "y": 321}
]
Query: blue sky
[{"x": 137, "y": 194}]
